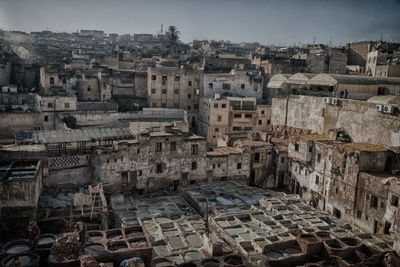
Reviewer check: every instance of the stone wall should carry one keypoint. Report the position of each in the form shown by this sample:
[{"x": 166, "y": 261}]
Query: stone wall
[{"x": 15, "y": 122}]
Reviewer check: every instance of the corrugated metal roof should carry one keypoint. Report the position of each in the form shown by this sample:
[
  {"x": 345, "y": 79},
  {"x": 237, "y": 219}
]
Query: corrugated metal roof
[{"x": 81, "y": 135}]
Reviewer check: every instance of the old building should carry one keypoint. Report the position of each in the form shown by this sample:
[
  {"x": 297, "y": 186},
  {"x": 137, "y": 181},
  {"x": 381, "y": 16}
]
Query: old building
[
  {"x": 173, "y": 87},
  {"x": 382, "y": 60},
  {"x": 93, "y": 86},
  {"x": 153, "y": 161},
  {"x": 350, "y": 180},
  {"x": 231, "y": 114},
  {"x": 237, "y": 82},
  {"x": 225, "y": 64},
  {"x": 358, "y": 52}
]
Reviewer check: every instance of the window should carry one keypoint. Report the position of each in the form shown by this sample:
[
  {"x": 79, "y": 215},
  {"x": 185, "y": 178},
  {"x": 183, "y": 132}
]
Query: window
[
  {"x": 189, "y": 96},
  {"x": 219, "y": 118},
  {"x": 163, "y": 105},
  {"x": 237, "y": 128},
  {"x": 196, "y": 106},
  {"x": 242, "y": 86},
  {"x": 268, "y": 122},
  {"x": 153, "y": 91},
  {"x": 210, "y": 85},
  {"x": 88, "y": 89},
  {"x": 337, "y": 190},
  {"x": 51, "y": 80},
  {"x": 176, "y": 91},
  {"x": 164, "y": 78},
  {"x": 226, "y": 86},
  {"x": 177, "y": 78},
  {"x": 163, "y": 91},
  {"x": 248, "y": 115},
  {"x": 188, "y": 107},
  {"x": 194, "y": 165},
  {"x": 310, "y": 149},
  {"x": 153, "y": 77},
  {"x": 195, "y": 149},
  {"x": 237, "y": 115},
  {"x": 257, "y": 157},
  {"x": 154, "y": 105},
  {"x": 259, "y": 122},
  {"x": 318, "y": 157},
  {"x": 140, "y": 173},
  {"x": 66, "y": 105},
  {"x": 159, "y": 168},
  {"x": 173, "y": 146},
  {"x": 374, "y": 202},
  {"x": 46, "y": 118},
  {"x": 239, "y": 166},
  {"x": 316, "y": 179},
  {"x": 223, "y": 106},
  {"x": 216, "y": 129},
  {"x": 64, "y": 81},
  {"x": 282, "y": 160},
  {"x": 138, "y": 151},
  {"x": 248, "y": 128},
  {"x": 50, "y": 105},
  {"x": 158, "y": 147},
  {"x": 262, "y": 112},
  {"x": 189, "y": 83},
  {"x": 394, "y": 201},
  {"x": 215, "y": 105},
  {"x": 296, "y": 147}
]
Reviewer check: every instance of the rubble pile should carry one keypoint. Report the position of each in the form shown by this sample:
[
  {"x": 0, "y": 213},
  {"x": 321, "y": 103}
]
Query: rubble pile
[{"x": 66, "y": 246}]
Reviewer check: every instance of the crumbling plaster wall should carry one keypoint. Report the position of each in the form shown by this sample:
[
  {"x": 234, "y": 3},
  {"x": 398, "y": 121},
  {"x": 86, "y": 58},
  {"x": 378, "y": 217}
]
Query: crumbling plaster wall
[{"x": 358, "y": 118}]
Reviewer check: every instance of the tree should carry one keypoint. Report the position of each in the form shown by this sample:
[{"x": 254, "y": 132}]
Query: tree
[
  {"x": 173, "y": 37},
  {"x": 70, "y": 121},
  {"x": 173, "y": 34}
]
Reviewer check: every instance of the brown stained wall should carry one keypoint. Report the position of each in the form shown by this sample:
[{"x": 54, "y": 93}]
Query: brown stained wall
[{"x": 370, "y": 186}]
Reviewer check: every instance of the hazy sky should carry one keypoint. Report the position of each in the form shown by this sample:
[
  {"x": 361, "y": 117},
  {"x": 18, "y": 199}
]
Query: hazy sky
[{"x": 266, "y": 21}]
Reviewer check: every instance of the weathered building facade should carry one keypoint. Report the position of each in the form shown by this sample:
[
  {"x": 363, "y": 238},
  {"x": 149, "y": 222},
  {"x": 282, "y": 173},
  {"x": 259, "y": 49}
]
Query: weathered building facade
[{"x": 231, "y": 114}]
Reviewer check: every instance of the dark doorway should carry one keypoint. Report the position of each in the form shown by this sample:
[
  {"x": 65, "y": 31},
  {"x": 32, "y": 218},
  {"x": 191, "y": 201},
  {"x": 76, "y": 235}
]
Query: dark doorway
[
  {"x": 252, "y": 178},
  {"x": 387, "y": 227},
  {"x": 281, "y": 179},
  {"x": 336, "y": 213}
]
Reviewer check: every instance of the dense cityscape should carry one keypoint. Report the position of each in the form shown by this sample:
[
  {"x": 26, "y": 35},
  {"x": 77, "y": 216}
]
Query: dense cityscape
[{"x": 145, "y": 150}]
